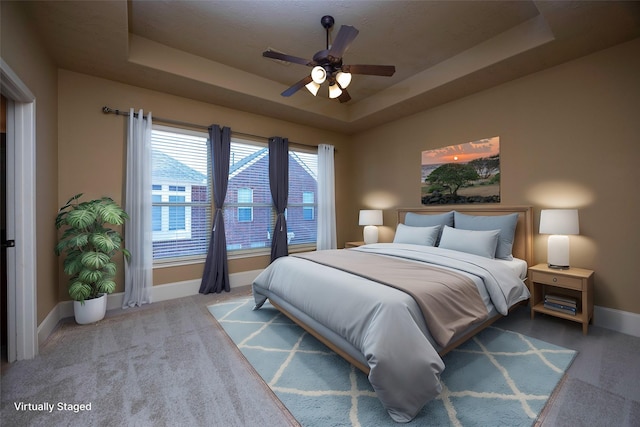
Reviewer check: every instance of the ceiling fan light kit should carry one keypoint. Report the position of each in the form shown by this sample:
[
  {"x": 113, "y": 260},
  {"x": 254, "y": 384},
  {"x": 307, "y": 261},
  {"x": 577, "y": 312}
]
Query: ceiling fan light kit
[
  {"x": 318, "y": 74},
  {"x": 343, "y": 79},
  {"x": 327, "y": 65},
  {"x": 313, "y": 87},
  {"x": 334, "y": 91}
]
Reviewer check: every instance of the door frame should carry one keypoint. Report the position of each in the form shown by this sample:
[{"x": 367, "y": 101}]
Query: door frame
[{"x": 22, "y": 340}]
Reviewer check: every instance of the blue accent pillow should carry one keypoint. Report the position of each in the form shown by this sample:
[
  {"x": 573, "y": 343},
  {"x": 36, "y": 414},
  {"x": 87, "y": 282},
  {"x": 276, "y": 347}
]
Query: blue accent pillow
[
  {"x": 482, "y": 243},
  {"x": 418, "y": 220},
  {"x": 425, "y": 236},
  {"x": 505, "y": 223}
]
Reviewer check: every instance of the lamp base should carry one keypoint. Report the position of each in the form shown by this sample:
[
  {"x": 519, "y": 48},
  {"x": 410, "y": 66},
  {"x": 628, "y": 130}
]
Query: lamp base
[
  {"x": 558, "y": 252},
  {"x": 370, "y": 234},
  {"x": 558, "y": 267}
]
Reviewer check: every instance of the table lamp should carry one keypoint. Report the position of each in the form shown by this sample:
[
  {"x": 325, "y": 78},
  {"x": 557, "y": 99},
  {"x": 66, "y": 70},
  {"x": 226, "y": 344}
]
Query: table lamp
[
  {"x": 370, "y": 218},
  {"x": 558, "y": 223}
]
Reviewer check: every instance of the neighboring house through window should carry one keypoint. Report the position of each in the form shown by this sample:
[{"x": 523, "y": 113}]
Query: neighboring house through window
[{"x": 182, "y": 203}]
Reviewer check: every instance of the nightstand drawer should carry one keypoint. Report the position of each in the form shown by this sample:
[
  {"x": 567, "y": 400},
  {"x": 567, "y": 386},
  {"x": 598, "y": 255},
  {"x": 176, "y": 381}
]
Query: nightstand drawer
[{"x": 557, "y": 280}]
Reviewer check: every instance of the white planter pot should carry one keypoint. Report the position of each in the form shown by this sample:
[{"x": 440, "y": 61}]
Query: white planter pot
[{"x": 93, "y": 310}]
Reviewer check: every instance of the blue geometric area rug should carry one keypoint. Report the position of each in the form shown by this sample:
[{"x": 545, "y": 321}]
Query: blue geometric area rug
[{"x": 497, "y": 378}]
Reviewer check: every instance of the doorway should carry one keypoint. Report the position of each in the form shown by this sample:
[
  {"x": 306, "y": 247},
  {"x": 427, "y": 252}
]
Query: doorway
[{"x": 20, "y": 208}]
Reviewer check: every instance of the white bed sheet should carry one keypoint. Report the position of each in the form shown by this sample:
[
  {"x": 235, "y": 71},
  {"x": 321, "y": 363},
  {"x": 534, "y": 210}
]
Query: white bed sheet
[{"x": 519, "y": 266}]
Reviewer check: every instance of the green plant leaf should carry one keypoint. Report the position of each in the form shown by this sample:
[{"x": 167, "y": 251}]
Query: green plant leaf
[
  {"x": 110, "y": 269},
  {"x": 110, "y": 212},
  {"x": 81, "y": 218},
  {"x": 78, "y": 241},
  {"x": 73, "y": 263},
  {"x": 72, "y": 199},
  {"x": 90, "y": 276},
  {"x": 60, "y": 247},
  {"x": 79, "y": 291},
  {"x": 106, "y": 286},
  {"x": 126, "y": 253},
  {"x": 95, "y": 260},
  {"x": 60, "y": 219},
  {"x": 69, "y": 203},
  {"x": 103, "y": 242}
]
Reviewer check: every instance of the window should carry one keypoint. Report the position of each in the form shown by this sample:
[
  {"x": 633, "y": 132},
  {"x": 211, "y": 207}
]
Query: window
[
  {"x": 308, "y": 207},
  {"x": 182, "y": 205},
  {"x": 245, "y": 213},
  {"x": 249, "y": 215},
  {"x": 303, "y": 186}
]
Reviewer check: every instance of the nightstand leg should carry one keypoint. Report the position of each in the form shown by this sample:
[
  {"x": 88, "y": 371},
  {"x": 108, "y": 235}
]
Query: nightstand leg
[{"x": 585, "y": 326}]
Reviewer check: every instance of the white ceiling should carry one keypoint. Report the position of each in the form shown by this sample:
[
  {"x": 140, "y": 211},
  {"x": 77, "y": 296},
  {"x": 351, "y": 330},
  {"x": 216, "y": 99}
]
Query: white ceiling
[{"x": 212, "y": 50}]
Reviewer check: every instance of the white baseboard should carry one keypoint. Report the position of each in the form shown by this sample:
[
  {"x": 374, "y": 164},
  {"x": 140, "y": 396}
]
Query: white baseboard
[
  {"x": 618, "y": 320},
  {"x": 159, "y": 293}
]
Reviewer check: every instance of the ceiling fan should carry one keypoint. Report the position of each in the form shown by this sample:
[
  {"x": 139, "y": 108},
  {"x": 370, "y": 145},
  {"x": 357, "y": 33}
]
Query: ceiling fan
[{"x": 327, "y": 64}]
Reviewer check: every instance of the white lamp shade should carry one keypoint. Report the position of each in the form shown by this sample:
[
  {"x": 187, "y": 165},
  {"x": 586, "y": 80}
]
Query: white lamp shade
[
  {"x": 334, "y": 91},
  {"x": 313, "y": 87},
  {"x": 343, "y": 79},
  {"x": 370, "y": 217},
  {"x": 559, "y": 221},
  {"x": 318, "y": 74}
]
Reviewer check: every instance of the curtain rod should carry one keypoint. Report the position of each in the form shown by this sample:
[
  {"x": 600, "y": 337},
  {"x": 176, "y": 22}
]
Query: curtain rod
[{"x": 109, "y": 110}]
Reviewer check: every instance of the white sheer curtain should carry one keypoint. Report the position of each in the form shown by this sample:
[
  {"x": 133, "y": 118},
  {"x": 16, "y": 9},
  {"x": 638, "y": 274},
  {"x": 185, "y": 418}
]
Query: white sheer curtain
[
  {"x": 138, "y": 270},
  {"x": 326, "y": 198}
]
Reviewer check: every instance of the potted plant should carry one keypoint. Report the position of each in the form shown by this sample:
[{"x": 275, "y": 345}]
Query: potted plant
[{"x": 90, "y": 245}]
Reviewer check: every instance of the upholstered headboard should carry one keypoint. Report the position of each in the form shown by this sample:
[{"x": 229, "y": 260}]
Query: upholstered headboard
[{"x": 523, "y": 239}]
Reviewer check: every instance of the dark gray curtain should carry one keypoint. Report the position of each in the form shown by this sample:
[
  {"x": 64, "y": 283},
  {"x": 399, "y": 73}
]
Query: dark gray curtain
[
  {"x": 279, "y": 183},
  {"x": 215, "y": 277}
]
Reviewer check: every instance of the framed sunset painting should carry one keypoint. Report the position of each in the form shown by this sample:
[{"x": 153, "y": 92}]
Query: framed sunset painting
[{"x": 463, "y": 173}]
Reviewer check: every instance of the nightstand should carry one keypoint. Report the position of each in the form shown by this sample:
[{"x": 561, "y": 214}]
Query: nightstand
[
  {"x": 353, "y": 244},
  {"x": 573, "y": 283}
]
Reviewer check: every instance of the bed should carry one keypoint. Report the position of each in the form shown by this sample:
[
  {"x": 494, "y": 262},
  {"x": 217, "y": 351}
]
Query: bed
[{"x": 369, "y": 304}]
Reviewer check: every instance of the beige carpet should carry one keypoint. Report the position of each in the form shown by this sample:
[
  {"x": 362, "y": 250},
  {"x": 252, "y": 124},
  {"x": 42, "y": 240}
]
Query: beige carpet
[{"x": 164, "y": 364}]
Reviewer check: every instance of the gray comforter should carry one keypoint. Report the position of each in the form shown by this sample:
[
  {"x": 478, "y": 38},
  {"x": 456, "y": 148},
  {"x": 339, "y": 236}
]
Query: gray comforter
[{"x": 384, "y": 324}]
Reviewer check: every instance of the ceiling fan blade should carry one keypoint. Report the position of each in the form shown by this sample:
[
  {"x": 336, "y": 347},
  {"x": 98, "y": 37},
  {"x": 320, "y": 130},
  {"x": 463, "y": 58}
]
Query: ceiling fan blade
[
  {"x": 372, "y": 70},
  {"x": 287, "y": 58},
  {"x": 344, "y": 96},
  {"x": 344, "y": 38},
  {"x": 296, "y": 87}
]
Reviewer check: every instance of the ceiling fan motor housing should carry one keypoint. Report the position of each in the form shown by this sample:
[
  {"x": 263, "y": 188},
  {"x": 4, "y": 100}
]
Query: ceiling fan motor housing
[{"x": 327, "y": 21}]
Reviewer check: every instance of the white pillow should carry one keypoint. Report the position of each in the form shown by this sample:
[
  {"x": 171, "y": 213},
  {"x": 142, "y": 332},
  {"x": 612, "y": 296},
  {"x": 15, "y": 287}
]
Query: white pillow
[
  {"x": 475, "y": 242},
  {"x": 425, "y": 236}
]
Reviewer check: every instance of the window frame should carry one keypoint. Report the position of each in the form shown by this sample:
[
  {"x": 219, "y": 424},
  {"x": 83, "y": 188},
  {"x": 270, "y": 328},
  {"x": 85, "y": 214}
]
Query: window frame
[{"x": 231, "y": 253}]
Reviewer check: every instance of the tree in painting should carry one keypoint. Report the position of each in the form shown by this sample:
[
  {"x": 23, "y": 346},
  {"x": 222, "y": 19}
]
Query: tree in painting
[{"x": 452, "y": 176}]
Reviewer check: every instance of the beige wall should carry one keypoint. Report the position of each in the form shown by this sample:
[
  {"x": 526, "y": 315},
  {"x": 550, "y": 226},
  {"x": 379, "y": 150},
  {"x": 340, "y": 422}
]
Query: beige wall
[
  {"x": 568, "y": 138},
  {"x": 92, "y": 146},
  {"x": 22, "y": 51}
]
